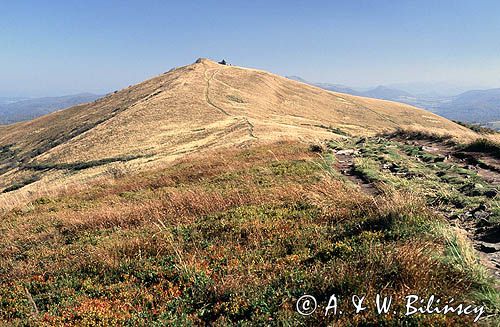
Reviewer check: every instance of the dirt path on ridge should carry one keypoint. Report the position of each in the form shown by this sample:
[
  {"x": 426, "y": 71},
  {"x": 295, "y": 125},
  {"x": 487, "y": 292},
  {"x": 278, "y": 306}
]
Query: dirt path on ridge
[{"x": 345, "y": 164}]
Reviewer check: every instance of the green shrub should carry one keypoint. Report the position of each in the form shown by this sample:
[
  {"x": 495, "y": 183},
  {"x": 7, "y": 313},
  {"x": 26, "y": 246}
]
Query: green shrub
[
  {"x": 79, "y": 165},
  {"x": 483, "y": 145},
  {"x": 21, "y": 184},
  {"x": 476, "y": 128}
]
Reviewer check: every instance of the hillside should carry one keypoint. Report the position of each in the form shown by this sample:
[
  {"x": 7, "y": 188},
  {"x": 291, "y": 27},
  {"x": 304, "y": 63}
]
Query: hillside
[
  {"x": 476, "y": 106},
  {"x": 239, "y": 235},
  {"x": 203, "y": 105},
  {"x": 385, "y": 93},
  {"x": 327, "y": 86},
  {"x": 480, "y": 106},
  {"x": 217, "y": 195}
]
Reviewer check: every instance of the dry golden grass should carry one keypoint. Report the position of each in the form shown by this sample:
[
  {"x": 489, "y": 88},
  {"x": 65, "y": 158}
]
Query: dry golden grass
[
  {"x": 213, "y": 210},
  {"x": 191, "y": 109},
  {"x": 219, "y": 238}
]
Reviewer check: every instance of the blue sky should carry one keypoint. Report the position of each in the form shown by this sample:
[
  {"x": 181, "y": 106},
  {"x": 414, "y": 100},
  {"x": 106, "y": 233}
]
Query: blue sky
[{"x": 60, "y": 47}]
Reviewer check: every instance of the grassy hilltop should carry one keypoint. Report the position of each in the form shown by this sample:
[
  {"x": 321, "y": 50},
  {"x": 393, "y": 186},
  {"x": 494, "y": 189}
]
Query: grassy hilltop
[{"x": 216, "y": 195}]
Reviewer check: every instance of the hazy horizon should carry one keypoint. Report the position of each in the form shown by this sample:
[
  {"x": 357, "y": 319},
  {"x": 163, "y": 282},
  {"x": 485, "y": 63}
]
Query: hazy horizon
[
  {"x": 443, "y": 88},
  {"x": 63, "y": 47}
]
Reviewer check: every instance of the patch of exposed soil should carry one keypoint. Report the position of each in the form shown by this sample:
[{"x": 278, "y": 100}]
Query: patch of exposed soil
[{"x": 345, "y": 164}]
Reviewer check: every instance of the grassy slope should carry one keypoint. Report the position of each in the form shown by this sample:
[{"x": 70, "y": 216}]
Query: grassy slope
[
  {"x": 234, "y": 236},
  {"x": 452, "y": 188},
  {"x": 190, "y": 109}
]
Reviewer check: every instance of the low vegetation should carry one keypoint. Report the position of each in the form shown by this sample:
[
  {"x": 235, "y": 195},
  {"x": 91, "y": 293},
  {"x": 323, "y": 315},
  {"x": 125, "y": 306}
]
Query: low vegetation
[
  {"x": 477, "y": 128},
  {"x": 234, "y": 238},
  {"x": 483, "y": 145},
  {"x": 419, "y": 135},
  {"x": 456, "y": 190},
  {"x": 21, "y": 184},
  {"x": 235, "y": 98},
  {"x": 80, "y": 165}
]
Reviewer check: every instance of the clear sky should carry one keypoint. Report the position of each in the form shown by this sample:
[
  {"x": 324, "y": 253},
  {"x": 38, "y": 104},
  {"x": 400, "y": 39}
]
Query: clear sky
[{"x": 66, "y": 46}]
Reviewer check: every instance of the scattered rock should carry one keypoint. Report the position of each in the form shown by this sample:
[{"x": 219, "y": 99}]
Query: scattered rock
[
  {"x": 489, "y": 247},
  {"x": 361, "y": 141},
  {"x": 490, "y": 193},
  {"x": 347, "y": 152},
  {"x": 464, "y": 216},
  {"x": 393, "y": 167},
  {"x": 491, "y": 236},
  {"x": 316, "y": 148},
  {"x": 481, "y": 214},
  {"x": 483, "y": 222},
  {"x": 480, "y": 207},
  {"x": 472, "y": 189},
  {"x": 429, "y": 149}
]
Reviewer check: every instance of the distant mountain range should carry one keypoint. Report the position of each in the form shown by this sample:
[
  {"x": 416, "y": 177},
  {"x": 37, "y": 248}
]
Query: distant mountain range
[
  {"x": 18, "y": 109},
  {"x": 482, "y": 106},
  {"x": 477, "y": 106}
]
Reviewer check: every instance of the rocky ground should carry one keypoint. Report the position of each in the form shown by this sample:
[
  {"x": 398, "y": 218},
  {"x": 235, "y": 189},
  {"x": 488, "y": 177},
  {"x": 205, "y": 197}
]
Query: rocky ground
[{"x": 462, "y": 186}]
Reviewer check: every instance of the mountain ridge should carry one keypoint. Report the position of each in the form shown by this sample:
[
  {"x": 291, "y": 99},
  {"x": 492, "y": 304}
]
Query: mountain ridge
[{"x": 189, "y": 109}]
